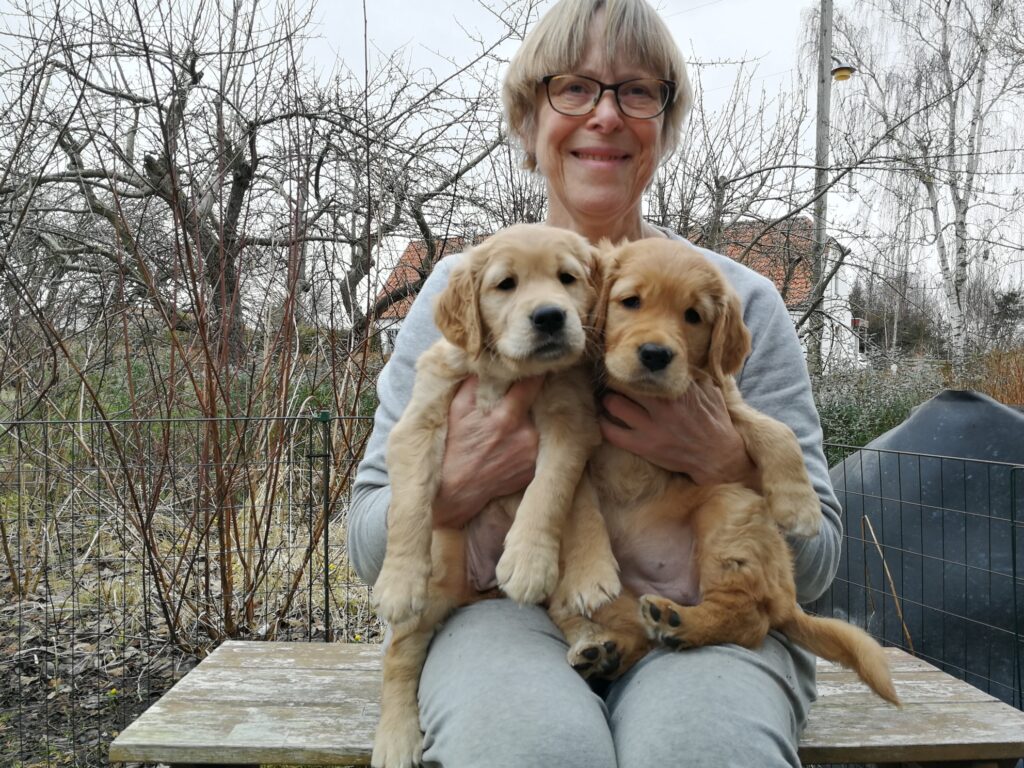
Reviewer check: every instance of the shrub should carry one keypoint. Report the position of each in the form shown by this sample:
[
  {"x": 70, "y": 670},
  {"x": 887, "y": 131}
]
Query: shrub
[{"x": 856, "y": 405}]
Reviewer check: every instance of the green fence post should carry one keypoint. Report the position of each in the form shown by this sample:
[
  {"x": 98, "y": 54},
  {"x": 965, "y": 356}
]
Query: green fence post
[{"x": 325, "y": 419}]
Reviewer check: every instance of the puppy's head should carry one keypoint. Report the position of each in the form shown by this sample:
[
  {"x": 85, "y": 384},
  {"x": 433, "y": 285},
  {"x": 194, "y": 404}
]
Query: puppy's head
[
  {"x": 667, "y": 313},
  {"x": 524, "y": 296}
]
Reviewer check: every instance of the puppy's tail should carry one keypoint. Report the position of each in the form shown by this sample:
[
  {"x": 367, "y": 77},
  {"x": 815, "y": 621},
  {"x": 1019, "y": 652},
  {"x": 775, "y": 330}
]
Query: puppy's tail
[{"x": 844, "y": 644}]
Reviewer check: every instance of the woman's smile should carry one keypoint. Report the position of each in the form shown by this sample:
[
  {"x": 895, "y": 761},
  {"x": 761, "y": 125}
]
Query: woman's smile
[{"x": 602, "y": 156}]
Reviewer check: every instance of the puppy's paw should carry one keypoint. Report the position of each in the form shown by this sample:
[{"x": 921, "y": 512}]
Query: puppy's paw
[
  {"x": 400, "y": 592},
  {"x": 795, "y": 508},
  {"x": 398, "y": 745},
  {"x": 582, "y": 591},
  {"x": 596, "y": 658},
  {"x": 664, "y": 622},
  {"x": 527, "y": 572}
]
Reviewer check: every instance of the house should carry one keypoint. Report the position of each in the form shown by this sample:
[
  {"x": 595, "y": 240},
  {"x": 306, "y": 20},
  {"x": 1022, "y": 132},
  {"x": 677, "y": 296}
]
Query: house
[
  {"x": 405, "y": 280},
  {"x": 781, "y": 254}
]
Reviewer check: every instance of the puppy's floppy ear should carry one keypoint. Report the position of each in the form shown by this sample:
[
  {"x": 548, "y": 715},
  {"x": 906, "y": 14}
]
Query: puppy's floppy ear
[
  {"x": 591, "y": 258},
  {"x": 605, "y": 273},
  {"x": 457, "y": 311},
  {"x": 730, "y": 339}
]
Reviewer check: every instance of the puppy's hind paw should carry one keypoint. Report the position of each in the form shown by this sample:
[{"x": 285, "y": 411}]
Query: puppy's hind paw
[
  {"x": 528, "y": 573},
  {"x": 663, "y": 621},
  {"x": 595, "y": 659}
]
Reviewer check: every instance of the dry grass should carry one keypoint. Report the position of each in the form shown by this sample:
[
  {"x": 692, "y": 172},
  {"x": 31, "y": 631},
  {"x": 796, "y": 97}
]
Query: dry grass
[{"x": 1000, "y": 375}]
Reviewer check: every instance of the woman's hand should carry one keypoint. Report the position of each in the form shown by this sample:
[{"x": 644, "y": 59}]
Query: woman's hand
[
  {"x": 693, "y": 434},
  {"x": 486, "y": 456}
]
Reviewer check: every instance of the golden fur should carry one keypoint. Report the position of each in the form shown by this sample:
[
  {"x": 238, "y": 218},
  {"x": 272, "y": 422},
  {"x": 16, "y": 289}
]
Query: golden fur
[
  {"x": 662, "y": 295},
  {"x": 492, "y": 315}
]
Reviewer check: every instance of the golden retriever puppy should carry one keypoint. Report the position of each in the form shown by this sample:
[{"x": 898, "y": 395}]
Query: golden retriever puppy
[
  {"x": 520, "y": 305},
  {"x": 671, "y": 320}
]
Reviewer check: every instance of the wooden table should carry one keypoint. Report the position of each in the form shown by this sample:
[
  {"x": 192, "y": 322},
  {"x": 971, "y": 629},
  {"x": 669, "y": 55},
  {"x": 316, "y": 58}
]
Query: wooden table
[{"x": 250, "y": 703}]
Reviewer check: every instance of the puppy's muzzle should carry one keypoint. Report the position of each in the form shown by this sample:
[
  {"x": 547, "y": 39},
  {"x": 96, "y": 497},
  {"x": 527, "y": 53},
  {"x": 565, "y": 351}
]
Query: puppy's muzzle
[
  {"x": 549, "y": 320},
  {"x": 655, "y": 357}
]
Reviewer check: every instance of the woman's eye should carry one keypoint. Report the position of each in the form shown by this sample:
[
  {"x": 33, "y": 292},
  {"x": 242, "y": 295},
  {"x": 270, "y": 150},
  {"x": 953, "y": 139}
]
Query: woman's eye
[
  {"x": 508, "y": 284},
  {"x": 639, "y": 90},
  {"x": 566, "y": 279},
  {"x": 692, "y": 316},
  {"x": 631, "y": 302}
]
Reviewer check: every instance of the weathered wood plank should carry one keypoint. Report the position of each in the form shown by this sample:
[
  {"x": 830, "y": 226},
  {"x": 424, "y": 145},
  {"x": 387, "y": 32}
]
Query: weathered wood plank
[
  {"x": 317, "y": 704},
  {"x": 899, "y": 661},
  {"x": 237, "y": 654},
  {"x": 294, "y": 687},
  {"x": 920, "y": 733},
  {"x": 845, "y": 689},
  {"x": 209, "y": 732}
]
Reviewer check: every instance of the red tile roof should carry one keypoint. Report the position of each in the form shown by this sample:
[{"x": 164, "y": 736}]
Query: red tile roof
[
  {"x": 782, "y": 255},
  {"x": 410, "y": 270}
]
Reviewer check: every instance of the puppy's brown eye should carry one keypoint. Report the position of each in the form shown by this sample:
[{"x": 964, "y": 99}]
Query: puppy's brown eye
[
  {"x": 566, "y": 279},
  {"x": 508, "y": 284},
  {"x": 692, "y": 316},
  {"x": 631, "y": 302}
]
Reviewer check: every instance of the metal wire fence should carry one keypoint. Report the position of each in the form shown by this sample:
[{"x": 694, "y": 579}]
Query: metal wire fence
[
  {"x": 932, "y": 560},
  {"x": 131, "y": 549}
]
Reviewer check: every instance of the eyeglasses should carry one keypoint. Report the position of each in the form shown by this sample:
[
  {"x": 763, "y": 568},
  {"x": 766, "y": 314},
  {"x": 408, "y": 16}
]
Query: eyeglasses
[{"x": 576, "y": 95}]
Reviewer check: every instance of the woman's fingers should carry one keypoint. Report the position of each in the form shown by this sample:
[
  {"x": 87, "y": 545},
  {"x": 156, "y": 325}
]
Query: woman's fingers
[
  {"x": 487, "y": 455},
  {"x": 630, "y": 413}
]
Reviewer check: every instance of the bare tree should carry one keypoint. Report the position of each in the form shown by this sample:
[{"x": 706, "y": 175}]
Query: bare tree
[
  {"x": 736, "y": 163},
  {"x": 192, "y": 214},
  {"x": 937, "y": 77}
]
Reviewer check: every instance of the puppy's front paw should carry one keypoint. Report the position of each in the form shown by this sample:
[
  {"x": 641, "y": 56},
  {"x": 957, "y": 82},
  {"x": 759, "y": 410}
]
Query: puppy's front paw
[
  {"x": 583, "y": 590},
  {"x": 527, "y": 572},
  {"x": 663, "y": 621},
  {"x": 795, "y": 508},
  {"x": 398, "y": 745},
  {"x": 400, "y": 592}
]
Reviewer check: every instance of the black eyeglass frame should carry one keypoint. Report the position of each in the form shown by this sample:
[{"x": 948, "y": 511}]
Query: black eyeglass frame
[{"x": 614, "y": 88}]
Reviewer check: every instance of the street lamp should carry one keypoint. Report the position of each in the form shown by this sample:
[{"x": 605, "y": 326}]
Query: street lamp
[{"x": 841, "y": 71}]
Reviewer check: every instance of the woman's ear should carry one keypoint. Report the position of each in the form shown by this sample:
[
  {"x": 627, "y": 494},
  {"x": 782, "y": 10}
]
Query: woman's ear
[
  {"x": 457, "y": 311},
  {"x": 730, "y": 339},
  {"x": 528, "y": 142}
]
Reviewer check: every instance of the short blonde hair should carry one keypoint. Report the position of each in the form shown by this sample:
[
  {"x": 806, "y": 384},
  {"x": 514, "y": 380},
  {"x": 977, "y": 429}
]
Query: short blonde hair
[{"x": 633, "y": 30}]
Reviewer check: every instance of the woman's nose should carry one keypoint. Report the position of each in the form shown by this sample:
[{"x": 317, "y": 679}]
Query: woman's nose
[{"x": 606, "y": 111}]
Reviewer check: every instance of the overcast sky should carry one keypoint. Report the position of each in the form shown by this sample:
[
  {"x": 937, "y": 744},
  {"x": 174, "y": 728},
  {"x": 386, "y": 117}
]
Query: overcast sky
[{"x": 706, "y": 30}]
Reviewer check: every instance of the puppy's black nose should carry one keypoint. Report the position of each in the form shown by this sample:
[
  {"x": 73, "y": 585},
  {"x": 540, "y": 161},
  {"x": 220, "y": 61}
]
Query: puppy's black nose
[
  {"x": 548, "y": 319},
  {"x": 654, "y": 356}
]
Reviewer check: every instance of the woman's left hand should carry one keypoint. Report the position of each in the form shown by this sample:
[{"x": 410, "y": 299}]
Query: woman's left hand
[{"x": 693, "y": 434}]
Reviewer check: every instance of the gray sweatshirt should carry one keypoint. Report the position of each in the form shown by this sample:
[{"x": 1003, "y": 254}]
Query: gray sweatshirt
[{"x": 774, "y": 380}]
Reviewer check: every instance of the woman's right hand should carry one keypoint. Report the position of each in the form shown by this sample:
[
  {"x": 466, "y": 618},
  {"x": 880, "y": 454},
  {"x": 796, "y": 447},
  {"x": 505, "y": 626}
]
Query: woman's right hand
[{"x": 486, "y": 455}]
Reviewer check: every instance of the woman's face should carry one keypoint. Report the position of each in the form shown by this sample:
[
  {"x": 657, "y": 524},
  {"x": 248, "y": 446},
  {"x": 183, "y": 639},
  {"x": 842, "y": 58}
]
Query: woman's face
[{"x": 597, "y": 165}]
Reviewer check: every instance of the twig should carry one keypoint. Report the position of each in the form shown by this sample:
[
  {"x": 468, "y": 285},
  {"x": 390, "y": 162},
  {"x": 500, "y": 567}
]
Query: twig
[{"x": 865, "y": 522}]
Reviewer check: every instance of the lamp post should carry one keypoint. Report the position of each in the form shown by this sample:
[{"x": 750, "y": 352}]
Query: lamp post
[{"x": 826, "y": 73}]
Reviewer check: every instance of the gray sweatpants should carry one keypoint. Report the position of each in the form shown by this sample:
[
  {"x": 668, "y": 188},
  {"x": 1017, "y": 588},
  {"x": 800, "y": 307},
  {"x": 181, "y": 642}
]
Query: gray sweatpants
[{"x": 497, "y": 691}]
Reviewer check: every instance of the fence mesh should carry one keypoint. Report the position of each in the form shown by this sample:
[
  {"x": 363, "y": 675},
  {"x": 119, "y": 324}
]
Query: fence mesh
[
  {"x": 131, "y": 549},
  {"x": 931, "y": 561}
]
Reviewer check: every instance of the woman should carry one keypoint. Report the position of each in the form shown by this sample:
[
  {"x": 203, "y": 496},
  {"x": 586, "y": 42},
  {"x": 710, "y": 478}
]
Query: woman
[{"x": 596, "y": 95}]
